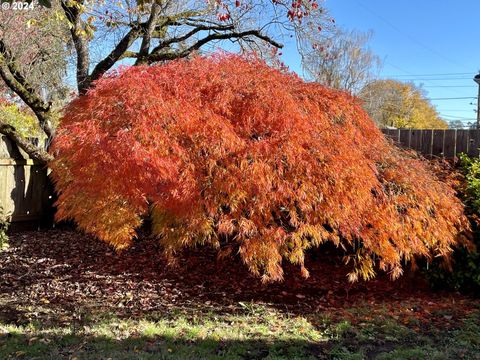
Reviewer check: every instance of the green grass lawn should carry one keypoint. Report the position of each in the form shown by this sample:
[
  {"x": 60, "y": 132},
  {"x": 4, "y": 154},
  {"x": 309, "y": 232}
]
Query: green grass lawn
[{"x": 254, "y": 332}]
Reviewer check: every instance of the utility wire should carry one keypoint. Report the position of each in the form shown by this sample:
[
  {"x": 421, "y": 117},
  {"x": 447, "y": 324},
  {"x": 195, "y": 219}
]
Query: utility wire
[
  {"x": 449, "y": 86},
  {"x": 457, "y": 117},
  {"x": 452, "y": 98},
  {"x": 463, "y": 110},
  {"x": 411, "y": 38},
  {"x": 434, "y": 79},
  {"x": 411, "y": 75},
  {"x": 444, "y": 74}
]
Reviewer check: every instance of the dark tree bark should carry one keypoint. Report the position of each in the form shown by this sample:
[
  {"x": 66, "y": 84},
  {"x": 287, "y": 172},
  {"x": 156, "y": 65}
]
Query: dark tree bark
[
  {"x": 33, "y": 151},
  {"x": 80, "y": 42},
  {"x": 147, "y": 36}
]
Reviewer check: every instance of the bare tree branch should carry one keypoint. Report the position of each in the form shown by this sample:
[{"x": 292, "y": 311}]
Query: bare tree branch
[
  {"x": 191, "y": 33},
  {"x": 115, "y": 55},
  {"x": 158, "y": 55},
  {"x": 129, "y": 54}
]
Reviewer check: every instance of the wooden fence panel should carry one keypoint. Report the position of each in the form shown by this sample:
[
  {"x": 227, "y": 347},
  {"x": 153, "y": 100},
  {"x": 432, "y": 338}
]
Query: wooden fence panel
[
  {"x": 427, "y": 140},
  {"x": 404, "y": 137},
  {"x": 462, "y": 141},
  {"x": 416, "y": 140},
  {"x": 23, "y": 184},
  {"x": 473, "y": 143},
  {"x": 395, "y": 134},
  {"x": 391, "y": 134},
  {"x": 449, "y": 143},
  {"x": 438, "y": 142},
  {"x": 427, "y": 136}
]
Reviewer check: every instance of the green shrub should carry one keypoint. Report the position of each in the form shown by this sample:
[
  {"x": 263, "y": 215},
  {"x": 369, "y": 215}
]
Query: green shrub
[
  {"x": 465, "y": 276},
  {"x": 466, "y": 262},
  {"x": 471, "y": 169},
  {"x": 24, "y": 122}
]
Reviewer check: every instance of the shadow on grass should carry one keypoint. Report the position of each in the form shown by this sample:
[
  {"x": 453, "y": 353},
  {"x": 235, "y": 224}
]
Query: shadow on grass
[
  {"x": 70, "y": 346},
  {"x": 262, "y": 337}
]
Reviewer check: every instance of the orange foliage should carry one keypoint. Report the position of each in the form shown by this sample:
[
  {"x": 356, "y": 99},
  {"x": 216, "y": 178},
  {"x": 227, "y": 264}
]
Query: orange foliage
[{"x": 229, "y": 152}]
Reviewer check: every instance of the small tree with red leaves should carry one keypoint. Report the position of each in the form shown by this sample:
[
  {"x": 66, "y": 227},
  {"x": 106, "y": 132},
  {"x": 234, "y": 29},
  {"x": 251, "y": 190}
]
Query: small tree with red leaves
[{"x": 228, "y": 152}]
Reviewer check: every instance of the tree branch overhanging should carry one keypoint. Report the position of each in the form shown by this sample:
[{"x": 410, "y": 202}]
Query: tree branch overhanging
[
  {"x": 33, "y": 151},
  {"x": 157, "y": 54},
  {"x": 12, "y": 76},
  {"x": 197, "y": 29},
  {"x": 115, "y": 55}
]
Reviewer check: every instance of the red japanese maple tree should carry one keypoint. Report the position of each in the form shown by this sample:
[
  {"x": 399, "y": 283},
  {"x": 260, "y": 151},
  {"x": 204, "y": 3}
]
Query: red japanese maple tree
[{"x": 229, "y": 152}]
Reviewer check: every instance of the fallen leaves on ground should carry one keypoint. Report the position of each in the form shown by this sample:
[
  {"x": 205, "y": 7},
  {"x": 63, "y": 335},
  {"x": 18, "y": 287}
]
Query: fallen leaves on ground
[{"x": 66, "y": 277}]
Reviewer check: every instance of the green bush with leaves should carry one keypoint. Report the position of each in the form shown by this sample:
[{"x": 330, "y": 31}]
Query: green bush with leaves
[
  {"x": 471, "y": 170},
  {"x": 465, "y": 261},
  {"x": 24, "y": 122}
]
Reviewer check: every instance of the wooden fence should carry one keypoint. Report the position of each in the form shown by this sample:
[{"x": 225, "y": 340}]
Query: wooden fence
[
  {"x": 442, "y": 143},
  {"x": 24, "y": 187}
]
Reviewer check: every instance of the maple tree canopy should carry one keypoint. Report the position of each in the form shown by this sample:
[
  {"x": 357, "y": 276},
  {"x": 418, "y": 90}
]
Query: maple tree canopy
[{"x": 229, "y": 152}]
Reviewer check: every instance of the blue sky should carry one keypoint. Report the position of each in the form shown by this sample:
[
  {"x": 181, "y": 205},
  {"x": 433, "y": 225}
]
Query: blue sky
[{"x": 418, "y": 40}]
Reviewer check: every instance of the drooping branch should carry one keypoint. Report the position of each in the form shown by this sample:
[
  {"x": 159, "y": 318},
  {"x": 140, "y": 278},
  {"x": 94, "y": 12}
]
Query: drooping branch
[{"x": 33, "y": 151}]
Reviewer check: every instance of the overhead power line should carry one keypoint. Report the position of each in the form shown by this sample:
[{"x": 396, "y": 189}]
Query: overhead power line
[
  {"x": 462, "y": 110},
  {"x": 436, "y": 79},
  {"x": 456, "y": 117},
  {"x": 448, "y": 86},
  {"x": 453, "y": 91},
  {"x": 438, "y": 74},
  {"x": 410, "y": 37},
  {"x": 452, "y": 98}
]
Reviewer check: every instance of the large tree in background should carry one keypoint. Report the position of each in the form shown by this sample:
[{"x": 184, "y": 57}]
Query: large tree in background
[
  {"x": 456, "y": 124},
  {"x": 459, "y": 124},
  {"x": 102, "y": 34},
  {"x": 33, "y": 62},
  {"x": 401, "y": 105},
  {"x": 343, "y": 61}
]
